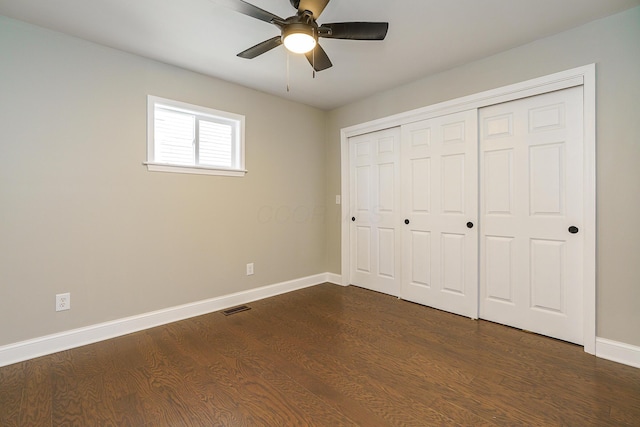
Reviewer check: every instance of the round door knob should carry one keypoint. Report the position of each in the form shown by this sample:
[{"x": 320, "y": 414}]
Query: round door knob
[
  {"x": 406, "y": 221},
  {"x": 469, "y": 224},
  {"x": 573, "y": 229},
  {"x": 353, "y": 218}
]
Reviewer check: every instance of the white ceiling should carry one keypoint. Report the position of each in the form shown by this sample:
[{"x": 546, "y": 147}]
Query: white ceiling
[{"x": 425, "y": 37}]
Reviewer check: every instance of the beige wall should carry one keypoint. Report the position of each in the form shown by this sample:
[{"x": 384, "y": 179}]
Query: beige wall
[
  {"x": 612, "y": 44},
  {"x": 80, "y": 213}
]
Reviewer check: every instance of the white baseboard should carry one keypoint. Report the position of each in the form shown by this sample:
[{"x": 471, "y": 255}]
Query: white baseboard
[
  {"x": 618, "y": 352},
  {"x": 29, "y": 349},
  {"x": 336, "y": 279},
  {"x": 17, "y": 352}
]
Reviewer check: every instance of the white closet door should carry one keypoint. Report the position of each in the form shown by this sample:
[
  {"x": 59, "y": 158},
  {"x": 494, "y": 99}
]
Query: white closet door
[
  {"x": 375, "y": 209},
  {"x": 531, "y": 214},
  {"x": 440, "y": 207}
]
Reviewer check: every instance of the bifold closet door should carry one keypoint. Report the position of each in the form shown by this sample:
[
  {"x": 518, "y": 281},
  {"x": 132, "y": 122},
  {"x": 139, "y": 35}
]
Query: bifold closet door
[
  {"x": 375, "y": 209},
  {"x": 440, "y": 208},
  {"x": 531, "y": 214}
]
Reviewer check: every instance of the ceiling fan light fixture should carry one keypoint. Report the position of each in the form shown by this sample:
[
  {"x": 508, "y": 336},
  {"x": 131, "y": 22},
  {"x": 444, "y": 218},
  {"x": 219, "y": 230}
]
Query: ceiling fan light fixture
[{"x": 299, "y": 38}]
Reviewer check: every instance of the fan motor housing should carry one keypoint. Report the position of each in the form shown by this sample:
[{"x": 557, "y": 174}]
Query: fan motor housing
[{"x": 300, "y": 29}]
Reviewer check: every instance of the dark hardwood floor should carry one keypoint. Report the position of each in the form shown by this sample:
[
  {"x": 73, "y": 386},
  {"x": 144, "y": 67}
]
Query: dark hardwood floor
[{"x": 323, "y": 356}]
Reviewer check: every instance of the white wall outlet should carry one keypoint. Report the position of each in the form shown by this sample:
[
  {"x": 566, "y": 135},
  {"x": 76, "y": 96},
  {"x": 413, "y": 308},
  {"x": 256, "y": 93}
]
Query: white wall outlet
[
  {"x": 63, "y": 301},
  {"x": 338, "y": 199},
  {"x": 249, "y": 269}
]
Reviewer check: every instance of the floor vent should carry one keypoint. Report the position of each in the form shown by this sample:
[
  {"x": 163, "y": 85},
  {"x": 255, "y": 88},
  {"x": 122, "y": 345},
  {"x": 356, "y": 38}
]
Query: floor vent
[{"x": 234, "y": 310}]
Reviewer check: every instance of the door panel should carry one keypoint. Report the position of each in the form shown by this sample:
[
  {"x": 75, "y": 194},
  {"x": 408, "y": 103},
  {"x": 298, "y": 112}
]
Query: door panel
[
  {"x": 363, "y": 249},
  {"x": 453, "y": 184},
  {"x": 420, "y": 254},
  {"x": 498, "y": 198},
  {"x": 499, "y": 261},
  {"x": 421, "y": 183},
  {"x": 387, "y": 252},
  {"x": 531, "y": 153},
  {"x": 547, "y": 265},
  {"x": 546, "y": 190},
  {"x": 375, "y": 182},
  {"x": 439, "y": 188},
  {"x": 363, "y": 189},
  {"x": 453, "y": 262}
]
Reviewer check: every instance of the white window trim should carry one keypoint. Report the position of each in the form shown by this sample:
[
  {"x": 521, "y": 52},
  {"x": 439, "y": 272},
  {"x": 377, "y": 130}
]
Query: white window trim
[{"x": 199, "y": 170}]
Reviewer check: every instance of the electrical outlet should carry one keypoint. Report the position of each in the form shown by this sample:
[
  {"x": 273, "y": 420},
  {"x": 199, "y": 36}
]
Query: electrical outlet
[
  {"x": 338, "y": 201},
  {"x": 249, "y": 269},
  {"x": 63, "y": 302}
]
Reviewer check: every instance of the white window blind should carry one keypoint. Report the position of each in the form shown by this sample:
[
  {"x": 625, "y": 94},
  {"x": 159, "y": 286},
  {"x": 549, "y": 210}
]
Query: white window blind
[
  {"x": 175, "y": 137},
  {"x": 214, "y": 148},
  {"x": 190, "y": 139}
]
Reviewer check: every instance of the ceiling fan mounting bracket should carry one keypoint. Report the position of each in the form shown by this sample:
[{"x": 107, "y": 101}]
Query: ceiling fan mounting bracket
[{"x": 307, "y": 17}]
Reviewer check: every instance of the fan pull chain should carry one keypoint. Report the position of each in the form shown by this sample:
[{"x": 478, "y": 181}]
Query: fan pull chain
[
  {"x": 288, "y": 71},
  {"x": 313, "y": 60}
]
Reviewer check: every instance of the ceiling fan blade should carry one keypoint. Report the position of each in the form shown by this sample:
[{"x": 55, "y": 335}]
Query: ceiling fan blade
[
  {"x": 249, "y": 10},
  {"x": 354, "y": 30},
  {"x": 314, "y": 6},
  {"x": 261, "y": 48},
  {"x": 318, "y": 58}
]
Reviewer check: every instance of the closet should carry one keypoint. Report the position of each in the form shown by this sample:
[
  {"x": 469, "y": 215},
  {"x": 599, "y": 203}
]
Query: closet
[{"x": 476, "y": 212}]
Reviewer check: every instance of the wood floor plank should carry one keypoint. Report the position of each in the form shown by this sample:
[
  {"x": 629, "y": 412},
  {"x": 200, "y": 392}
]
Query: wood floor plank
[
  {"x": 323, "y": 356},
  {"x": 12, "y": 384},
  {"x": 35, "y": 408}
]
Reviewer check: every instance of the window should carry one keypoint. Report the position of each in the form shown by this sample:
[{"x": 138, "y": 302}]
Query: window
[{"x": 187, "y": 138}]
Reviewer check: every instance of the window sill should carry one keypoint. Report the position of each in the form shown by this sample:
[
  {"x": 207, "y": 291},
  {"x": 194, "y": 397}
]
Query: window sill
[{"x": 197, "y": 170}]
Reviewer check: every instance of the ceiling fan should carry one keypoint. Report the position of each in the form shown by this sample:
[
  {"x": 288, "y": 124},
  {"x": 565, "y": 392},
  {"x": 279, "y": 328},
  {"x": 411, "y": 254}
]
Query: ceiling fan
[{"x": 300, "y": 32}]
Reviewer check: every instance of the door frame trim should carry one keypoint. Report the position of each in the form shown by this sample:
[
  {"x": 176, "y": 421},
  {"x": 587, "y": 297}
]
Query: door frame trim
[{"x": 584, "y": 76}]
